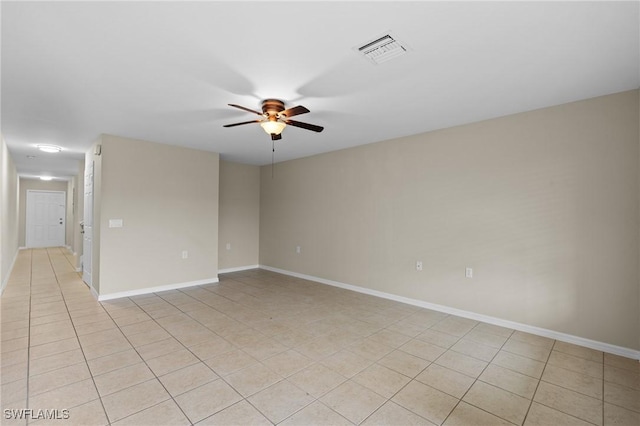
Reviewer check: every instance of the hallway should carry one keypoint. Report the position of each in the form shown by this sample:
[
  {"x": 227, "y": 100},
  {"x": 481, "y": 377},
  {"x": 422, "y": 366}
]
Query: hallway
[{"x": 263, "y": 348}]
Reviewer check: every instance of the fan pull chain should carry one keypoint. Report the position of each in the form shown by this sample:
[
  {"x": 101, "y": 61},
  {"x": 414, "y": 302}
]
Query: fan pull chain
[{"x": 273, "y": 153}]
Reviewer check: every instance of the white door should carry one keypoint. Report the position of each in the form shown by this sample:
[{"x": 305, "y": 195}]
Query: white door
[
  {"x": 87, "y": 240},
  {"x": 46, "y": 213}
]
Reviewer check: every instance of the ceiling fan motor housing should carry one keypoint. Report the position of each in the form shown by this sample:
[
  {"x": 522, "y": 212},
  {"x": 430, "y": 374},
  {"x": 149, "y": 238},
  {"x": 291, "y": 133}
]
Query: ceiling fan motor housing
[{"x": 272, "y": 106}]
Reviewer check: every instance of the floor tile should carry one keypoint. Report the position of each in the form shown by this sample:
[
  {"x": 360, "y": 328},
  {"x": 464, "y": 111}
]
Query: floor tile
[
  {"x": 211, "y": 348},
  {"x": 187, "y": 378},
  {"x": 316, "y": 414},
  {"x": 57, "y": 378},
  {"x": 509, "y": 380},
  {"x": 122, "y": 378},
  {"x": 381, "y": 380},
  {"x": 112, "y": 362},
  {"x": 475, "y": 349},
  {"x": 569, "y": 402},
  {"x": 87, "y": 414},
  {"x": 577, "y": 364},
  {"x": 317, "y": 380},
  {"x": 543, "y": 342},
  {"x": 438, "y": 338},
  {"x": 156, "y": 349},
  {"x": 314, "y": 341},
  {"x": 622, "y": 362},
  {"x": 465, "y": 415},
  {"x": 622, "y": 377},
  {"x": 353, "y": 401},
  {"x": 622, "y": 396},
  {"x": 172, "y": 361},
  {"x": 53, "y": 362},
  {"x": 287, "y": 363},
  {"x": 393, "y": 414},
  {"x": 486, "y": 338},
  {"x": 614, "y": 415},
  {"x": 579, "y": 351},
  {"x": 582, "y": 383},
  {"x": 346, "y": 363},
  {"x": 252, "y": 379},
  {"x": 206, "y": 400},
  {"x": 230, "y": 362},
  {"x": 279, "y": 401},
  {"x": 240, "y": 413},
  {"x": 426, "y": 401},
  {"x": 541, "y": 415},
  {"x": 464, "y": 364},
  {"x": 66, "y": 396},
  {"x": 528, "y": 350},
  {"x": 404, "y": 363},
  {"x": 498, "y": 402},
  {"x": 54, "y": 348},
  {"x": 448, "y": 381},
  {"x": 422, "y": 349},
  {"x": 455, "y": 326},
  {"x": 134, "y": 399},
  {"x": 520, "y": 364},
  {"x": 166, "y": 413}
]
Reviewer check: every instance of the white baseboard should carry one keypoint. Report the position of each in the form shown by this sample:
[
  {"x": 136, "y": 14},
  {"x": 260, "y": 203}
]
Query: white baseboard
[
  {"x": 237, "y": 269},
  {"x": 148, "y": 290},
  {"x": 94, "y": 292},
  {"x": 576, "y": 340},
  {"x": 5, "y": 281}
]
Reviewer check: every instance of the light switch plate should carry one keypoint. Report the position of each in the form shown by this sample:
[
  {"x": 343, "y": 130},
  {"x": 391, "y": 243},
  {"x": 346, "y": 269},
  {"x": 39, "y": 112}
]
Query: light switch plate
[{"x": 115, "y": 223}]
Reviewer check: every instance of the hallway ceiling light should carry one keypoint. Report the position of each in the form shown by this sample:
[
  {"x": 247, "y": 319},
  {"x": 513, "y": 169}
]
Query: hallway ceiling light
[
  {"x": 46, "y": 178},
  {"x": 49, "y": 148}
]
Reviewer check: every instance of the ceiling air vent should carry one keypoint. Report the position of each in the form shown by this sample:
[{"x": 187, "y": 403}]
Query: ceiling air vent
[{"x": 382, "y": 49}]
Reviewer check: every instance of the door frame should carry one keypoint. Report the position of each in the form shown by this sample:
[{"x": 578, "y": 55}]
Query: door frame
[{"x": 28, "y": 232}]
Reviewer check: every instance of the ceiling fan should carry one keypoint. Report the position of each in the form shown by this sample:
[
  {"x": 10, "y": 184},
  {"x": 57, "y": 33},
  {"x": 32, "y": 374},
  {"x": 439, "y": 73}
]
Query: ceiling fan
[{"x": 275, "y": 118}]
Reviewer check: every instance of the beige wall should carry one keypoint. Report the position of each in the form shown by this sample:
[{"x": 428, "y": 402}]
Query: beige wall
[
  {"x": 542, "y": 205},
  {"x": 38, "y": 185},
  {"x": 239, "y": 215},
  {"x": 8, "y": 213},
  {"x": 167, "y": 197}
]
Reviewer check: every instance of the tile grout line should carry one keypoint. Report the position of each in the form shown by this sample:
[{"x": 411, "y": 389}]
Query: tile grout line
[
  {"x": 539, "y": 381},
  {"x": 78, "y": 338},
  {"x": 478, "y": 377},
  {"x": 147, "y": 365}
]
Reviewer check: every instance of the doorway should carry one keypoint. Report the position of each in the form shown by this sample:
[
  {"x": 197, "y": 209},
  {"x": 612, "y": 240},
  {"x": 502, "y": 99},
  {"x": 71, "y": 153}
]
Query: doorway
[{"x": 45, "y": 221}]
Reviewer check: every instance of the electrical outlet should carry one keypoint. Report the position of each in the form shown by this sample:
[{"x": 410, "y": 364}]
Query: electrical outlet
[
  {"x": 468, "y": 272},
  {"x": 418, "y": 265},
  {"x": 228, "y": 246},
  {"x": 185, "y": 254},
  {"x": 298, "y": 249}
]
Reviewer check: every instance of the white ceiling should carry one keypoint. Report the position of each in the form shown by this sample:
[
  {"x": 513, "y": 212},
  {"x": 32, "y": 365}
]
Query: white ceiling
[{"x": 166, "y": 71}]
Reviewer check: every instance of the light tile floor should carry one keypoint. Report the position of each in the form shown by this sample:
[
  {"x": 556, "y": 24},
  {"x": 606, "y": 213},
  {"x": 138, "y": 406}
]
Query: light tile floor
[{"x": 262, "y": 348}]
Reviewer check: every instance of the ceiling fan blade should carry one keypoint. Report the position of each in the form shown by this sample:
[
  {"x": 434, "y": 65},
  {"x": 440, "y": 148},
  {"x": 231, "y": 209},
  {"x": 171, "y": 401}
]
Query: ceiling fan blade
[
  {"x": 307, "y": 126},
  {"x": 275, "y": 137},
  {"x": 297, "y": 110},
  {"x": 240, "y": 124},
  {"x": 245, "y": 109}
]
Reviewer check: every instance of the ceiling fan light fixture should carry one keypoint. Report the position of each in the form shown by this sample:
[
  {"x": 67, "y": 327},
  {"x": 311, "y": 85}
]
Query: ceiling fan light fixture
[{"x": 273, "y": 127}]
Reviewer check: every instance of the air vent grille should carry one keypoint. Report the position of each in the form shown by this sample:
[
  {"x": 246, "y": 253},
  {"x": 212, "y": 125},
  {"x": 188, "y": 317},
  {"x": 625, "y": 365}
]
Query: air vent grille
[{"x": 382, "y": 49}]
